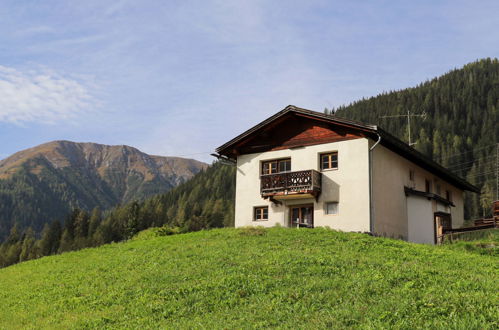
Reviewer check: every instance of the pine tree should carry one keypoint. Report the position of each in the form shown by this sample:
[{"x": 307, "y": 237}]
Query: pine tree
[
  {"x": 94, "y": 222},
  {"x": 28, "y": 246},
  {"x": 66, "y": 241},
  {"x": 81, "y": 225}
]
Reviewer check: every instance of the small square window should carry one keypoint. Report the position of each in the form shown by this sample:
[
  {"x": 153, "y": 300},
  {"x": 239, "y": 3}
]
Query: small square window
[
  {"x": 329, "y": 161},
  {"x": 331, "y": 208},
  {"x": 448, "y": 195},
  {"x": 261, "y": 213}
]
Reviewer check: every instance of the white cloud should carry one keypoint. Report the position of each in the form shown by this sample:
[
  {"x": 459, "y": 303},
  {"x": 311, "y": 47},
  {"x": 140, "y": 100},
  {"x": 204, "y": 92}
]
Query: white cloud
[{"x": 41, "y": 95}]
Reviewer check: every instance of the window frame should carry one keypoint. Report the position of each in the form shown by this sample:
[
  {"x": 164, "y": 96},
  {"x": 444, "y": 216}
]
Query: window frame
[
  {"x": 412, "y": 175},
  {"x": 448, "y": 195},
  {"x": 337, "y": 208},
  {"x": 330, "y": 161},
  {"x": 261, "y": 213},
  {"x": 277, "y": 163},
  {"x": 427, "y": 184}
]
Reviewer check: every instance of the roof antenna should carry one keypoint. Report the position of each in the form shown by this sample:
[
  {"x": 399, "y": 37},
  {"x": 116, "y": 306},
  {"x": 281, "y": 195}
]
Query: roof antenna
[
  {"x": 408, "y": 115},
  {"x": 224, "y": 160}
]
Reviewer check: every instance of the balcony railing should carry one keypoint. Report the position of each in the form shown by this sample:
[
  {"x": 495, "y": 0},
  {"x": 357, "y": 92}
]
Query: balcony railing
[{"x": 300, "y": 182}]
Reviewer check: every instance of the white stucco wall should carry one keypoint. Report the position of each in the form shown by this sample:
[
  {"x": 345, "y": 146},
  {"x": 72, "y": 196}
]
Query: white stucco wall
[
  {"x": 390, "y": 175},
  {"x": 348, "y": 185}
]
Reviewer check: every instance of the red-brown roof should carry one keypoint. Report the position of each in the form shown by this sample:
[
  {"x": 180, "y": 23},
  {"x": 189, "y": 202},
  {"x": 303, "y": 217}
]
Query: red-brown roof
[{"x": 371, "y": 131}]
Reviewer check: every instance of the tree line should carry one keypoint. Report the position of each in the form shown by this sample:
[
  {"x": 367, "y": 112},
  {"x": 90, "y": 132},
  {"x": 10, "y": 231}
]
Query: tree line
[
  {"x": 206, "y": 201},
  {"x": 460, "y": 130}
]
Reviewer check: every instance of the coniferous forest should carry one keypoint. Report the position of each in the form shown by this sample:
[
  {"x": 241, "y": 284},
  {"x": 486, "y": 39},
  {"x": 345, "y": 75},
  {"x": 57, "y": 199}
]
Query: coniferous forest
[
  {"x": 460, "y": 131},
  {"x": 206, "y": 201},
  {"x": 44, "y": 183}
]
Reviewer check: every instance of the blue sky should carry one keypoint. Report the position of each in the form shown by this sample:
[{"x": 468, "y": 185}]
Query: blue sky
[{"x": 183, "y": 77}]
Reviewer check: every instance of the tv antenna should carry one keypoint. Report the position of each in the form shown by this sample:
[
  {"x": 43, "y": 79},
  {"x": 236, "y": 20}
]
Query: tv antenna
[
  {"x": 224, "y": 160},
  {"x": 408, "y": 115}
]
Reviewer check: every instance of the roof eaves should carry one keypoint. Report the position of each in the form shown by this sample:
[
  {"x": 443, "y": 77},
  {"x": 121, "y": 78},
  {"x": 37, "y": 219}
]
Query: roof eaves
[
  {"x": 295, "y": 109},
  {"x": 253, "y": 129},
  {"x": 387, "y": 137}
]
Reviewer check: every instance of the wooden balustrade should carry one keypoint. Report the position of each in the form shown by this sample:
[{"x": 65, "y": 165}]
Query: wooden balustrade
[{"x": 306, "y": 182}]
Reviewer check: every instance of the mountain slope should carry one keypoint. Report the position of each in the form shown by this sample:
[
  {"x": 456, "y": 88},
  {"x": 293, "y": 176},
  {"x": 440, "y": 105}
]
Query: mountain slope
[
  {"x": 239, "y": 278},
  {"x": 47, "y": 181},
  {"x": 461, "y": 128}
]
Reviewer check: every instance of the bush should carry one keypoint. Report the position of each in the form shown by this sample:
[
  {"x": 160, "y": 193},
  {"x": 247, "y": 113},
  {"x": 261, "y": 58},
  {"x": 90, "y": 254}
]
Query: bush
[
  {"x": 167, "y": 231},
  {"x": 252, "y": 231}
]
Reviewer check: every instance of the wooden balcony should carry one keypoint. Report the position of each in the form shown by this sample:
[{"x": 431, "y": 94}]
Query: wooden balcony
[{"x": 289, "y": 185}]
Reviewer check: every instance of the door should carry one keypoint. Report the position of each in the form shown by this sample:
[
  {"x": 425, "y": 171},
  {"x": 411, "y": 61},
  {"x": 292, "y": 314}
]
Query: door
[
  {"x": 442, "y": 224},
  {"x": 302, "y": 216}
]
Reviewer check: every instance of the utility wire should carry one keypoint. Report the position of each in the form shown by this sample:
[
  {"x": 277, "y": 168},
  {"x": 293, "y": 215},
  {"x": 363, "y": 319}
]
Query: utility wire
[
  {"x": 471, "y": 161},
  {"x": 194, "y": 154},
  {"x": 481, "y": 174},
  {"x": 470, "y": 166},
  {"x": 465, "y": 152}
]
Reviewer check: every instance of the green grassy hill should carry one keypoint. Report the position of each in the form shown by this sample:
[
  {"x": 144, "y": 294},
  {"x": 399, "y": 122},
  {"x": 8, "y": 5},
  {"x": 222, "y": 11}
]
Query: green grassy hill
[{"x": 245, "y": 278}]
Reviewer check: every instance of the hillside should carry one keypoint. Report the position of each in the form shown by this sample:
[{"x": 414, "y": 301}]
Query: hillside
[
  {"x": 461, "y": 128},
  {"x": 46, "y": 182},
  {"x": 238, "y": 278},
  {"x": 205, "y": 201}
]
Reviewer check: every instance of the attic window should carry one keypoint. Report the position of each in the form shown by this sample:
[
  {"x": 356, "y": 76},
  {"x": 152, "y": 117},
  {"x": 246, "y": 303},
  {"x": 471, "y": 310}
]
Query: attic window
[
  {"x": 427, "y": 186},
  {"x": 329, "y": 161}
]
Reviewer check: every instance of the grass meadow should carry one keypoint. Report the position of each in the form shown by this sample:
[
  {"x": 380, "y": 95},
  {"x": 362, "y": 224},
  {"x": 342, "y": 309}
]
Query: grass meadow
[{"x": 255, "y": 278}]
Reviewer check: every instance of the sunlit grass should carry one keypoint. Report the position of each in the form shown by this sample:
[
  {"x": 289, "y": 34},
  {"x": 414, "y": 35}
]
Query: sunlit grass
[{"x": 245, "y": 278}]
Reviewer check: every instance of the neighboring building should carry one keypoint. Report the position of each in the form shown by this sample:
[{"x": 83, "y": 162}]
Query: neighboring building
[{"x": 301, "y": 168}]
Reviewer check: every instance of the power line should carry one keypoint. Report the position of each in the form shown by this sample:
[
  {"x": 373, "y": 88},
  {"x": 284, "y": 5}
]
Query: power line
[
  {"x": 490, "y": 163},
  {"x": 194, "y": 154},
  {"x": 465, "y": 152},
  {"x": 481, "y": 174},
  {"x": 471, "y": 161}
]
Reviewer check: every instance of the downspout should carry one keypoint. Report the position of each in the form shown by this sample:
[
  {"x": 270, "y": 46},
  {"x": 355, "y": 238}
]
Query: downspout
[{"x": 371, "y": 201}]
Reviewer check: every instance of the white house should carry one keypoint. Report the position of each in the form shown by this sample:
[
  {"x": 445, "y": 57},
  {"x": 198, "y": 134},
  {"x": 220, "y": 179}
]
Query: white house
[{"x": 301, "y": 168}]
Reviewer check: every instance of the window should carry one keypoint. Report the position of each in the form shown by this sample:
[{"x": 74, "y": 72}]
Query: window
[
  {"x": 331, "y": 208},
  {"x": 411, "y": 175},
  {"x": 427, "y": 186},
  {"x": 276, "y": 166},
  {"x": 439, "y": 190},
  {"x": 261, "y": 213},
  {"x": 448, "y": 195},
  {"x": 329, "y": 161}
]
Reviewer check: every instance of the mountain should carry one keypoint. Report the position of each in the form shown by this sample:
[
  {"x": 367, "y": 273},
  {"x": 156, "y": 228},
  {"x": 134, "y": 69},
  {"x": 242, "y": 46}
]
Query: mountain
[
  {"x": 460, "y": 131},
  {"x": 461, "y": 127},
  {"x": 267, "y": 278},
  {"x": 205, "y": 201},
  {"x": 46, "y": 182}
]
